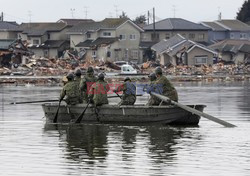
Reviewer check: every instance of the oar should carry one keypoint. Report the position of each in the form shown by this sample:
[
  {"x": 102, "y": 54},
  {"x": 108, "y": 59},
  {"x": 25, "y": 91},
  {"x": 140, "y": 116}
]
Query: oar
[
  {"x": 55, "y": 118},
  {"x": 37, "y": 101},
  {"x": 79, "y": 119},
  {"x": 118, "y": 95},
  {"x": 194, "y": 111}
]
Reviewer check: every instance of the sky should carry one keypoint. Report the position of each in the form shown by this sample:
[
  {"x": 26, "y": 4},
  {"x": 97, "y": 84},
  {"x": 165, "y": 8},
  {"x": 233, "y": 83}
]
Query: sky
[{"x": 53, "y": 10}]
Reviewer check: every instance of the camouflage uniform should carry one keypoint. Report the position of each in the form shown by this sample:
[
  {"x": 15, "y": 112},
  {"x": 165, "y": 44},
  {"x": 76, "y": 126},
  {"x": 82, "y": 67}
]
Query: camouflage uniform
[
  {"x": 85, "y": 85},
  {"x": 99, "y": 92},
  {"x": 71, "y": 91},
  {"x": 78, "y": 81},
  {"x": 129, "y": 93},
  {"x": 164, "y": 87}
]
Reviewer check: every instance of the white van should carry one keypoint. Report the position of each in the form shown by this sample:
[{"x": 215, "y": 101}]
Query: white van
[{"x": 128, "y": 69}]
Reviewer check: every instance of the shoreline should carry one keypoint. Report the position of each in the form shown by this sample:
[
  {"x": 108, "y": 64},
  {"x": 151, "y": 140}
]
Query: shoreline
[{"x": 57, "y": 80}]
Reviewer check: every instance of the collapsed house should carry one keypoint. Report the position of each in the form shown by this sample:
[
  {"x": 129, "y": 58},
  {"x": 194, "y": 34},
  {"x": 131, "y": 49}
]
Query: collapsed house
[
  {"x": 181, "y": 51},
  {"x": 233, "y": 51}
]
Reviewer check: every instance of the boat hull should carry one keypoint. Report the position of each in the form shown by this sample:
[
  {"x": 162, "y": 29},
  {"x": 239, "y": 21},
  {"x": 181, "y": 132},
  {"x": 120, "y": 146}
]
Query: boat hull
[{"x": 123, "y": 114}]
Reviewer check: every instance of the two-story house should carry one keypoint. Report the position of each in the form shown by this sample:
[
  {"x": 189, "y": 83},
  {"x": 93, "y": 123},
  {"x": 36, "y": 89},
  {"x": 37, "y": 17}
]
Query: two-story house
[
  {"x": 180, "y": 50},
  {"x": 169, "y": 27},
  {"x": 46, "y": 39},
  {"x": 227, "y": 29},
  {"x": 112, "y": 38}
]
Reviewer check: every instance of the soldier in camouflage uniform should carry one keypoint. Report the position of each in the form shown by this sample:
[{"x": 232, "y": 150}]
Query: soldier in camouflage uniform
[
  {"x": 152, "y": 100},
  {"x": 164, "y": 87},
  {"x": 86, "y": 83},
  {"x": 98, "y": 91},
  {"x": 78, "y": 74},
  {"x": 70, "y": 91},
  {"x": 129, "y": 92}
]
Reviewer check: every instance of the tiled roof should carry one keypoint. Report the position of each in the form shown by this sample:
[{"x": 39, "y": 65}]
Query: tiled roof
[
  {"x": 96, "y": 43},
  {"x": 214, "y": 26},
  {"x": 86, "y": 43},
  {"x": 179, "y": 24},
  {"x": 37, "y": 29},
  {"x": 233, "y": 25},
  {"x": 168, "y": 44},
  {"x": 108, "y": 23},
  {"x": 8, "y": 26},
  {"x": 72, "y": 22}
]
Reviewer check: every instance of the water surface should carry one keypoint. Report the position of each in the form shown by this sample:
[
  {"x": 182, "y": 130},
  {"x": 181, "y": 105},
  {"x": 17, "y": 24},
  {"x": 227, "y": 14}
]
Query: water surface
[{"x": 29, "y": 147}]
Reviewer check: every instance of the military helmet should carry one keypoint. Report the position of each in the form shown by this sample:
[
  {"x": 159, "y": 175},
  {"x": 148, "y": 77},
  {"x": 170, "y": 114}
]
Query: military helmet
[
  {"x": 70, "y": 76},
  {"x": 152, "y": 76},
  {"x": 100, "y": 76},
  {"x": 90, "y": 70},
  {"x": 127, "y": 79},
  {"x": 78, "y": 72},
  {"x": 158, "y": 70}
]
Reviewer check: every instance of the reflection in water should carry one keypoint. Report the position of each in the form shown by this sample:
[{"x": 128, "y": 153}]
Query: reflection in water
[{"x": 87, "y": 144}]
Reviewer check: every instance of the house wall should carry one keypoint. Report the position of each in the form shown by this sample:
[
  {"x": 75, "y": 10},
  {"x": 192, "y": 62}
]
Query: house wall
[
  {"x": 237, "y": 35},
  {"x": 216, "y": 35},
  {"x": 59, "y": 35},
  {"x": 239, "y": 58},
  {"x": 38, "y": 52},
  {"x": 199, "y": 52},
  {"x": 8, "y": 35},
  {"x": 168, "y": 34},
  {"x": 75, "y": 39}
]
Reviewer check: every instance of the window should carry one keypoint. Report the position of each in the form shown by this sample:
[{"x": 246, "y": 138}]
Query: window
[
  {"x": 132, "y": 37},
  {"x": 106, "y": 34},
  {"x": 94, "y": 54},
  {"x": 167, "y": 36},
  {"x": 243, "y": 36},
  {"x": 126, "y": 54},
  {"x": 35, "y": 42},
  {"x": 201, "y": 36},
  {"x": 122, "y": 37},
  {"x": 134, "y": 54},
  {"x": 199, "y": 60},
  {"x": 191, "y": 36},
  {"x": 231, "y": 36},
  {"x": 88, "y": 35},
  {"x": 155, "y": 36}
]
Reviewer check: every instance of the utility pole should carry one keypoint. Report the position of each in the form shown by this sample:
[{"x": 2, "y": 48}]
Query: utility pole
[
  {"x": 154, "y": 24},
  {"x": 86, "y": 12},
  {"x": 148, "y": 16},
  {"x": 2, "y": 16},
  {"x": 220, "y": 15}
]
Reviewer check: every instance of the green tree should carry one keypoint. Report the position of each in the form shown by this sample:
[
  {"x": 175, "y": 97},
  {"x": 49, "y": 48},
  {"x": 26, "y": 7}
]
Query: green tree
[
  {"x": 123, "y": 15},
  {"x": 244, "y": 12},
  {"x": 140, "y": 19}
]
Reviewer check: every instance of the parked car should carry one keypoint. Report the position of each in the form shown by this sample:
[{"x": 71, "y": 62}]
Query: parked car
[{"x": 128, "y": 69}]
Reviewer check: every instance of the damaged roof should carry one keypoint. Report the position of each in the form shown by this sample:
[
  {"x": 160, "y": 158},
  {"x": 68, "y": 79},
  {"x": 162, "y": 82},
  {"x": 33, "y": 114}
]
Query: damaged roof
[
  {"x": 179, "y": 24},
  {"x": 51, "y": 44},
  {"x": 5, "y": 43},
  {"x": 231, "y": 45},
  {"x": 178, "y": 43}
]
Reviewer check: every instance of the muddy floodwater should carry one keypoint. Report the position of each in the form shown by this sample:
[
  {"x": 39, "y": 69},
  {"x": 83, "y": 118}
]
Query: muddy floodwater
[{"x": 29, "y": 147}]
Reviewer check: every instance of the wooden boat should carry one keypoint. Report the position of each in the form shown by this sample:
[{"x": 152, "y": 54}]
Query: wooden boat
[{"x": 136, "y": 114}]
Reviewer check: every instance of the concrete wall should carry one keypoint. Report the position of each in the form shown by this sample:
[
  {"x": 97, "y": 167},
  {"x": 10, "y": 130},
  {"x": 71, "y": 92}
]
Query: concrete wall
[
  {"x": 75, "y": 39},
  {"x": 239, "y": 58}
]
